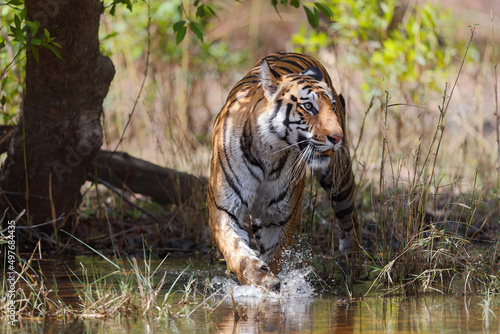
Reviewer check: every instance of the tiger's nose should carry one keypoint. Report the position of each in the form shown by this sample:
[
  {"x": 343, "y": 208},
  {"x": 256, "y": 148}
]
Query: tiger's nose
[{"x": 334, "y": 139}]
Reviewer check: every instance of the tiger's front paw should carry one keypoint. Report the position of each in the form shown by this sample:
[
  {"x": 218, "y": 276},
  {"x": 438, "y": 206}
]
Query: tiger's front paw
[
  {"x": 259, "y": 274},
  {"x": 348, "y": 243},
  {"x": 345, "y": 243}
]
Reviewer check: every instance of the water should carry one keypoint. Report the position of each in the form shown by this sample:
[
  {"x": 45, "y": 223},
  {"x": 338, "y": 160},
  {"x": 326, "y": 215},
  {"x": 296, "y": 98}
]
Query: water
[
  {"x": 221, "y": 305},
  {"x": 321, "y": 314}
]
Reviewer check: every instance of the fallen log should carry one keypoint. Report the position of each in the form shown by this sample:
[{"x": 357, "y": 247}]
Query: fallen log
[{"x": 164, "y": 185}]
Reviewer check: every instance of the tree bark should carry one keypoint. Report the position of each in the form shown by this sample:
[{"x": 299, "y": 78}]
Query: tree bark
[{"x": 59, "y": 132}]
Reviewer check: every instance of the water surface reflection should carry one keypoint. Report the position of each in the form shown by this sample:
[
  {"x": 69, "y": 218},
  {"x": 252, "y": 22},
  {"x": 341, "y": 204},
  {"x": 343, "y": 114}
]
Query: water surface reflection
[
  {"x": 326, "y": 314},
  {"x": 299, "y": 310}
]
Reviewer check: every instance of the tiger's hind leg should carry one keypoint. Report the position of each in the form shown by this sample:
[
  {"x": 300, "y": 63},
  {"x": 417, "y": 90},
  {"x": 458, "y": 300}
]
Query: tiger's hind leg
[
  {"x": 338, "y": 181},
  {"x": 232, "y": 240}
]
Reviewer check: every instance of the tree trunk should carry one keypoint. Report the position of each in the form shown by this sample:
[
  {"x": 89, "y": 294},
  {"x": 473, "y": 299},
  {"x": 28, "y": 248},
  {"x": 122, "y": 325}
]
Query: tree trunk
[{"x": 59, "y": 133}]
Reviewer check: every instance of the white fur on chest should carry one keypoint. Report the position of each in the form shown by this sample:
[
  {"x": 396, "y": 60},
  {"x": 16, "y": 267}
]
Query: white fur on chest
[{"x": 259, "y": 194}]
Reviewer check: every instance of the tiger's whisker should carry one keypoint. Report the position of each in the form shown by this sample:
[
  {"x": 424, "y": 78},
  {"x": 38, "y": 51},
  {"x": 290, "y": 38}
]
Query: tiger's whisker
[
  {"x": 287, "y": 147},
  {"x": 299, "y": 166}
]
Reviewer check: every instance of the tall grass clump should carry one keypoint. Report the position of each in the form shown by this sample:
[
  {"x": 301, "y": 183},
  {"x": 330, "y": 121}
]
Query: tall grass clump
[{"x": 35, "y": 295}]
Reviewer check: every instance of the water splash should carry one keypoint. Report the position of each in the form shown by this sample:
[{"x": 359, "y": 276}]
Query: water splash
[
  {"x": 295, "y": 278},
  {"x": 295, "y": 283}
]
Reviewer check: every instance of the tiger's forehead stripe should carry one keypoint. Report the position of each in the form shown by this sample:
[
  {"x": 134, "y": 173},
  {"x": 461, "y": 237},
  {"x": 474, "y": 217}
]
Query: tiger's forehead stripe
[
  {"x": 308, "y": 95},
  {"x": 295, "y": 63},
  {"x": 295, "y": 60}
]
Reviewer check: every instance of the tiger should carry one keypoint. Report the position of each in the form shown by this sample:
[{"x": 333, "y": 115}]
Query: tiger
[{"x": 279, "y": 118}]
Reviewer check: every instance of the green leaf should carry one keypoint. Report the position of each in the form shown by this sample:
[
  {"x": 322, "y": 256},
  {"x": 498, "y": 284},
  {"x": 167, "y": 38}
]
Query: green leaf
[
  {"x": 24, "y": 12},
  {"x": 19, "y": 35},
  {"x": 210, "y": 10},
  {"x": 36, "y": 41},
  {"x": 109, "y": 36},
  {"x": 295, "y": 3},
  {"x": 33, "y": 26},
  {"x": 15, "y": 2},
  {"x": 312, "y": 17},
  {"x": 200, "y": 11},
  {"x": 325, "y": 9},
  {"x": 2, "y": 44},
  {"x": 54, "y": 51},
  {"x": 34, "y": 52},
  {"x": 17, "y": 21},
  {"x": 196, "y": 28},
  {"x": 275, "y": 4},
  {"x": 127, "y": 3},
  {"x": 179, "y": 25},
  {"x": 181, "y": 32}
]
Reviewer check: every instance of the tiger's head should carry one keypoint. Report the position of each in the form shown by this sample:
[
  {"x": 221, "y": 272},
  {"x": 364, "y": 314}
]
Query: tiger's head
[{"x": 302, "y": 113}]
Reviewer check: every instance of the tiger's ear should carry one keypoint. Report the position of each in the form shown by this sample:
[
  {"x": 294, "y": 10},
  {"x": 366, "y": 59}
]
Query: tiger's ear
[
  {"x": 269, "y": 78},
  {"x": 314, "y": 73},
  {"x": 342, "y": 101}
]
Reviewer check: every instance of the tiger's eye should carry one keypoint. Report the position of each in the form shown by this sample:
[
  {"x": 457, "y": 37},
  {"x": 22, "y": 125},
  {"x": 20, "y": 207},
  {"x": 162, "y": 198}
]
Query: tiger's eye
[
  {"x": 308, "y": 106},
  {"x": 334, "y": 105}
]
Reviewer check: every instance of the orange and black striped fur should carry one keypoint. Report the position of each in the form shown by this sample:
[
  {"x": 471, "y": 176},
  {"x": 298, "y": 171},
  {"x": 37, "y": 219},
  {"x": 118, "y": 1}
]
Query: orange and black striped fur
[{"x": 283, "y": 115}]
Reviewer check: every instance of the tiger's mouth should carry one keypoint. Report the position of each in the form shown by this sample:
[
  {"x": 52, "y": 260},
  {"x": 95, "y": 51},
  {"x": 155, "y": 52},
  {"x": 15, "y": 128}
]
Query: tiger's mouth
[
  {"x": 319, "y": 159},
  {"x": 317, "y": 152},
  {"x": 320, "y": 154}
]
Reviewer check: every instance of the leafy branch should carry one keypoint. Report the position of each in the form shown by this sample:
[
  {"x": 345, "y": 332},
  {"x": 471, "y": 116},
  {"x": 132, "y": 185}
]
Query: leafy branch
[
  {"x": 28, "y": 34},
  {"x": 203, "y": 10}
]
